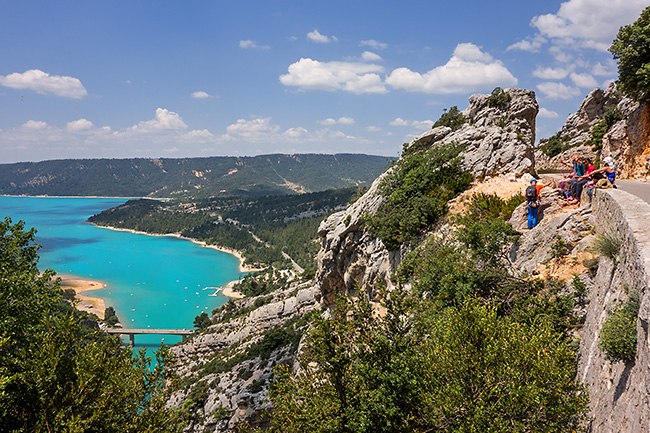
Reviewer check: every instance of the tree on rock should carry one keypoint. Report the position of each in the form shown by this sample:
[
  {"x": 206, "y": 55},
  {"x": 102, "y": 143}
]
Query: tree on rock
[{"x": 631, "y": 49}]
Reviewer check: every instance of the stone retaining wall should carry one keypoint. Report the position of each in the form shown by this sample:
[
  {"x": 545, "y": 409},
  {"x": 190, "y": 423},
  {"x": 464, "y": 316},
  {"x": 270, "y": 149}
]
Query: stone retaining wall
[{"x": 619, "y": 392}]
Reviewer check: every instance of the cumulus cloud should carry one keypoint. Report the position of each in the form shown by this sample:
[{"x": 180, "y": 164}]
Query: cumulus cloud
[
  {"x": 164, "y": 120},
  {"x": 547, "y": 114},
  {"x": 246, "y": 44},
  {"x": 353, "y": 77},
  {"x": 608, "y": 69},
  {"x": 373, "y": 128},
  {"x": 315, "y": 36},
  {"x": 200, "y": 95},
  {"x": 370, "y": 56},
  {"x": 416, "y": 124},
  {"x": 44, "y": 83},
  {"x": 373, "y": 44},
  {"x": 553, "y": 90},
  {"x": 81, "y": 125},
  {"x": 584, "y": 80},
  {"x": 256, "y": 129},
  {"x": 551, "y": 73},
  {"x": 530, "y": 44},
  {"x": 590, "y": 23},
  {"x": 468, "y": 70},
  {"x": 341, "y": 120}
]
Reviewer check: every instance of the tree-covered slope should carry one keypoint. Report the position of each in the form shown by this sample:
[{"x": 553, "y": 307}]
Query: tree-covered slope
[{"x": 190, "y": 177}]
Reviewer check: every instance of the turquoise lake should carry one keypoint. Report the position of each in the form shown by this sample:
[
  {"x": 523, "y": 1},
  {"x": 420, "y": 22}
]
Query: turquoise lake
[{"x": 151, "y": 281}]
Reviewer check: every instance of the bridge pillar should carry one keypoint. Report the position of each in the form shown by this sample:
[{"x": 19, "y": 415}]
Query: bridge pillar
[{"x": 132, "y": 339}]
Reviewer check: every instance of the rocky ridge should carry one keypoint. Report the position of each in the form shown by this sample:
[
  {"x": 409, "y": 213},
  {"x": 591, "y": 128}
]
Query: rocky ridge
[
  {"x": 627, "y": 140},
  {"x": 496, "y": 142}
]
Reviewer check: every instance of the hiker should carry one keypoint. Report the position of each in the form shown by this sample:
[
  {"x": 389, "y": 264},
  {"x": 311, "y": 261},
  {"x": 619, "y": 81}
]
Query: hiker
[
  {"x": 532, "y": 197},
  {"x": 607, "y": 174},
  {"x": 574, "y": 197}
]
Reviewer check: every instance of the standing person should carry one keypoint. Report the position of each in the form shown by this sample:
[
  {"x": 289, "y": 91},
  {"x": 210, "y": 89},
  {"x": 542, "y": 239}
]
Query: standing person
[{"x": 532, "y": 197}]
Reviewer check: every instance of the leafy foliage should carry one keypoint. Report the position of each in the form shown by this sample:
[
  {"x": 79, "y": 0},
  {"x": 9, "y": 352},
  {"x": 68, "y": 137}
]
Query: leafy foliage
[
  {"x": 618, "y": 335},
  {"x": 419, "y": 372},
  {"x": 482, "y": 206},
  {"x": 417, "y": 191},
  {"x": 606, "y": 245},
  {"x": 56, "y": 373},
  {"x": 555, "y": 144},
  {"x": 110, "y": 317},
  {"x": 499, "y": 98},
  {"x": 631, "y": 48},
  {"x": 453, "y": 118}
]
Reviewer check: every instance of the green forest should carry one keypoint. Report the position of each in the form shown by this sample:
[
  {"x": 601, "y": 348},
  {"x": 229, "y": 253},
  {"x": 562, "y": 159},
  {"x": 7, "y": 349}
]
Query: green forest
[
  {"x": 261, "y": 228},
  {"x": 191, "y": 177}
]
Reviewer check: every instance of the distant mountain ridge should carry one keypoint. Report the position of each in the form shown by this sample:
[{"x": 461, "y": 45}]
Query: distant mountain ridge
[{"x": 191, "y": 177}]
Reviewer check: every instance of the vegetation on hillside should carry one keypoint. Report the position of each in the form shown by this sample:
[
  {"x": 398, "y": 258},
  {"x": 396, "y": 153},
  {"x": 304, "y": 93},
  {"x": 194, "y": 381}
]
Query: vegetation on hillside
[
  {"x": 190, "y": 177},
  {"x": 262, "y": 228},
  {"x": 453, "y": 119},
  {"x": 416, "y": 192},
  {"x": 57, "y": 371},
  {"x": 468, "y": 347}
]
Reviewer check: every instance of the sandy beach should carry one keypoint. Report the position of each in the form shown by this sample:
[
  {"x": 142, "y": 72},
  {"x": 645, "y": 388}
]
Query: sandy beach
[{"x": 86, "y": 302}]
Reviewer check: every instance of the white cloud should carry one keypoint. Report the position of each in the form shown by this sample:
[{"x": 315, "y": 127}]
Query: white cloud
[
  {"x": 373, "y": 128},
  {"x": 35, "y": 124},
  {"x": 164, "y": 120},
  {"x": 315, "y": 36},
  {"x": 252, "y": 44},
  {"x": 373, "y": 44},
  {"x": 592, "y": 23},
  {"x": 349, "y": 76},
  {"x": 254, "y": 130},
  {"x": 415, "y": 124},
  {"x": 557, "y": 90},
  {"x": 44, "y": 83},
  {"x": 200, "y": 95},
  {"x": 198, "y": 136},
  {"x": 341, "y": 120},
  {"x": 606, "y": 70},
  {"x": 547, "y": 114},
  {"x": 468, "y": 70},
  {"x": 551, "y": 73},
  {"x": 584, "y": 80},
  {"x": 529, "y": 44},
  {"x": 81, "y": 125},
  {"x": 370, "y": 56}
]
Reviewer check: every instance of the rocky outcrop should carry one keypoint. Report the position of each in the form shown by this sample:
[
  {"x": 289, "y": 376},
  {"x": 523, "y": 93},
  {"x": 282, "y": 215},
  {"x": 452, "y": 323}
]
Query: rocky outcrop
[
  {"x": 627, "y": 140},
  {"x": 496, "y": 140},
  {"x": 221, "y": 376}
]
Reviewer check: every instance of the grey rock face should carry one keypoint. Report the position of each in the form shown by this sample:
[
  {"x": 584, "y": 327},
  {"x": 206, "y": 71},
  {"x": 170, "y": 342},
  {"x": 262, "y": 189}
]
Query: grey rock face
[
  {"x": 229, "y": 392},
  {"x": 497, "y": 141}
]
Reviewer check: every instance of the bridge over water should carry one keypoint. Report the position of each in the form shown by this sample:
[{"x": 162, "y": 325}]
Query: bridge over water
[{"x": 133, "y": 332}]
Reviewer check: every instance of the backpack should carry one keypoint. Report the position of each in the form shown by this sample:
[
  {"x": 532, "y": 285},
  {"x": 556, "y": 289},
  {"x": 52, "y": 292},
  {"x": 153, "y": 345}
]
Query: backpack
[{"x": 531, "y": 193}]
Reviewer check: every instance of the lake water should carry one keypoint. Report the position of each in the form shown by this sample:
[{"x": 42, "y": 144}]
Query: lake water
[{"x": 151, "y": 281}]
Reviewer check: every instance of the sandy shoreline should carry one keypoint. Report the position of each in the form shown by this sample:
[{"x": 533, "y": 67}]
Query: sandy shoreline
[
  {"x": 90, "y": 304},
  {"x": 236, "y": 253}
]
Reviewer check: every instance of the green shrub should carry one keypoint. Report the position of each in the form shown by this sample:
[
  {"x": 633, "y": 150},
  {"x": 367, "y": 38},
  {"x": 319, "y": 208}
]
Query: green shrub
[
  {"x": 417, "y": 191},
  {"x": 483, "y": 205},
  {"x": 554, "y": 145},
  {"x": 453, "y": 118},
  {"x": 499, "y": 98},
  {"x": 618, "y": 334},
  {"x": 606, "y": 245}
]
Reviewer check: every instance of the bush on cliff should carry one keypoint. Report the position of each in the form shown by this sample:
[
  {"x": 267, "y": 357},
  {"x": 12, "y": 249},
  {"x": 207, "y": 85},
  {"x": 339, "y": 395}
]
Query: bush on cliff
[
  {"x": 417, "y": 191},
  {"x": 618, "y": 334},
  {"x": 453, "y": 118}
]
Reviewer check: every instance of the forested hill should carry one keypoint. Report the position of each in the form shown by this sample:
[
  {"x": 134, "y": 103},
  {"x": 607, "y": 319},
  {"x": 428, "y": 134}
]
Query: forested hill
[{"x": 190, "y": 177}]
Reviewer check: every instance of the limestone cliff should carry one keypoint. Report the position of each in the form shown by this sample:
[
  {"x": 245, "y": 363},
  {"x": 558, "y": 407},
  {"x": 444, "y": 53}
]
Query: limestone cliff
[
  {"x": 496, "y": 141},
  {"x": 626, "y": 140}
]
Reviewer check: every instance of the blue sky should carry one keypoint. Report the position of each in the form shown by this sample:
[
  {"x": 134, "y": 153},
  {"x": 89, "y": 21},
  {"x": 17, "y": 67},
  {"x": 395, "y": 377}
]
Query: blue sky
[{"x": 117, "y": 79}]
